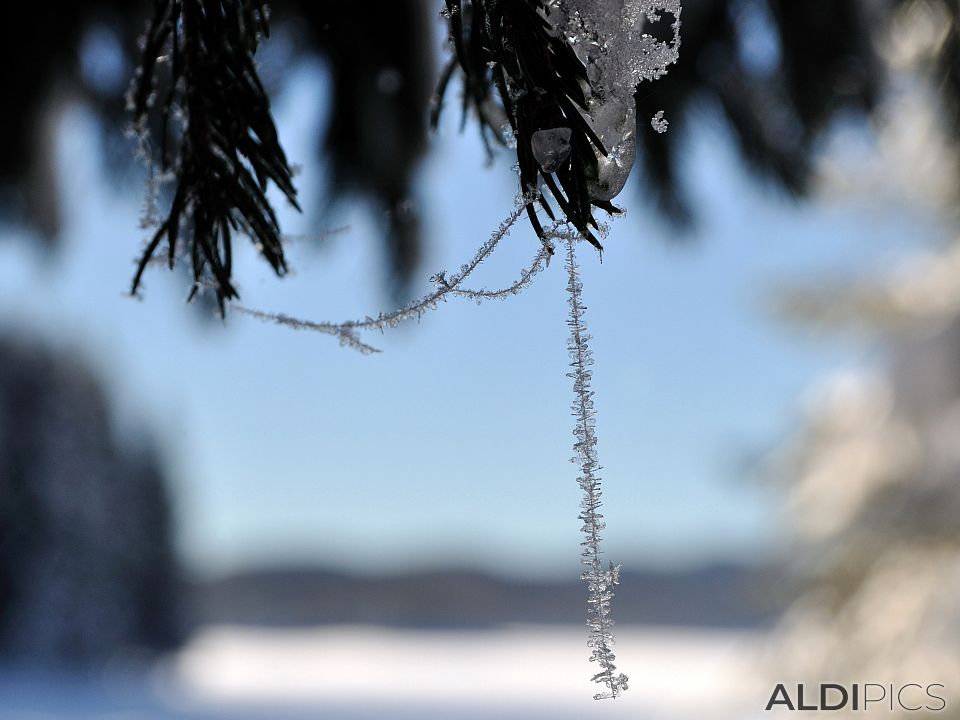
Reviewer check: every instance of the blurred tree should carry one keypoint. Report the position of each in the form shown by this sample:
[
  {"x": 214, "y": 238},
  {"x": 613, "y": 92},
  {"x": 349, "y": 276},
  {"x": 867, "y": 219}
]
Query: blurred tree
[
  {"x": 874, "y": 473},
  {"x": 87, "y": 564},
  {"x": 779, "y": 71}
]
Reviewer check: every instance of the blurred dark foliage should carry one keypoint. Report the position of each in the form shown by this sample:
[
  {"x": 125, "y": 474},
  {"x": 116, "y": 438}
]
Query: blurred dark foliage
[
  {"x": 87, "y": 564},
  {"x": 39, "y": 45},
  {"x": 820, "y": 60},
  {"x": 381, "y": 62}
]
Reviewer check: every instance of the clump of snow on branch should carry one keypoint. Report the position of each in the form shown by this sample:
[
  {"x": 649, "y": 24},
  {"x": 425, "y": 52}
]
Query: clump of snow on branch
[
  {"x": 610, "y": 37},
  {"x": 600, "y": 580}
]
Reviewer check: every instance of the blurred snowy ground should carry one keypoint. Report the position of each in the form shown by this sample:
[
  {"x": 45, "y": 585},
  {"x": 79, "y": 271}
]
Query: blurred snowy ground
[{"x": 361, "y": 673}]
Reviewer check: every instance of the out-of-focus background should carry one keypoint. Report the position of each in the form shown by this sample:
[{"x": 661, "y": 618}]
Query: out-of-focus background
[{"x": 204, "y": 519}]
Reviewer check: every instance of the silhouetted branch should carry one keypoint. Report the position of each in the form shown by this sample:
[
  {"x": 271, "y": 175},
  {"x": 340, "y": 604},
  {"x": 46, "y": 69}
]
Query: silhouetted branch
[{"x": 212, "y": 134}]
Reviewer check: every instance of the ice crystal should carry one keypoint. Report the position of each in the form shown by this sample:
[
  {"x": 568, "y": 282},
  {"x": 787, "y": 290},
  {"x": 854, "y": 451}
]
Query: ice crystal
[
  {"x": 600, "y": 581},
  {"x": 659, "y": 123}
]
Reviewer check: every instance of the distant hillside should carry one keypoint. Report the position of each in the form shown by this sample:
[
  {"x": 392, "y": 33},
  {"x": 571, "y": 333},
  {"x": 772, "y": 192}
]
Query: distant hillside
[{"x": 716, "y": 596}]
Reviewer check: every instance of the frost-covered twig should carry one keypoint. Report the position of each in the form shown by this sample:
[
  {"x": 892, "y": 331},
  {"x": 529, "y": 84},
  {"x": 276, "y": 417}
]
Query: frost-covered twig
[
  {"x": 600, "y": 581},
  {"x": 541, "y": 260},
  {"x": 348, "y": 331}
]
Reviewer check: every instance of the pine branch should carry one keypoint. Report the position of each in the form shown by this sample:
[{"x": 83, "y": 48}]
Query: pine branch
[
  {"x": 600, "y": 581},
  {"x": 212, "y": 135},
  {"x": 555, "y": 81},
  {"x": 539, "y": 81}
]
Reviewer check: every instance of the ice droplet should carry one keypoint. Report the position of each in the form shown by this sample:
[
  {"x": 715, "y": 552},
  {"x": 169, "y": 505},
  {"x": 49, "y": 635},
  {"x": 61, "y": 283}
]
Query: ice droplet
[
  {"x": 614, "y": 122},
  {"x": 551, "y": 147}
]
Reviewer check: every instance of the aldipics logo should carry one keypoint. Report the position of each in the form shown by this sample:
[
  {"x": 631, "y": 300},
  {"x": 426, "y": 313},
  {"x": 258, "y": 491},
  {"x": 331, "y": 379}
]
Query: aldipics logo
[{"x": 911, "y": 697}]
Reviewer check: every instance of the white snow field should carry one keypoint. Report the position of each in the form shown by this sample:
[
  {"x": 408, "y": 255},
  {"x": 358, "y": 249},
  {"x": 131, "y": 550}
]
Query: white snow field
[{"x": 363, "y": 673}]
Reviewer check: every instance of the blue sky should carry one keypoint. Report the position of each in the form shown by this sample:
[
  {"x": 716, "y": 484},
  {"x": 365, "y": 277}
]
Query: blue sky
[{"x": 452, "y": 446}]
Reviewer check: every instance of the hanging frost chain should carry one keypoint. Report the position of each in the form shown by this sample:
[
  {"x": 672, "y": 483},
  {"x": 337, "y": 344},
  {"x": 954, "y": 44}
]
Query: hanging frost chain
[{"x": 600, "y": 581}]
